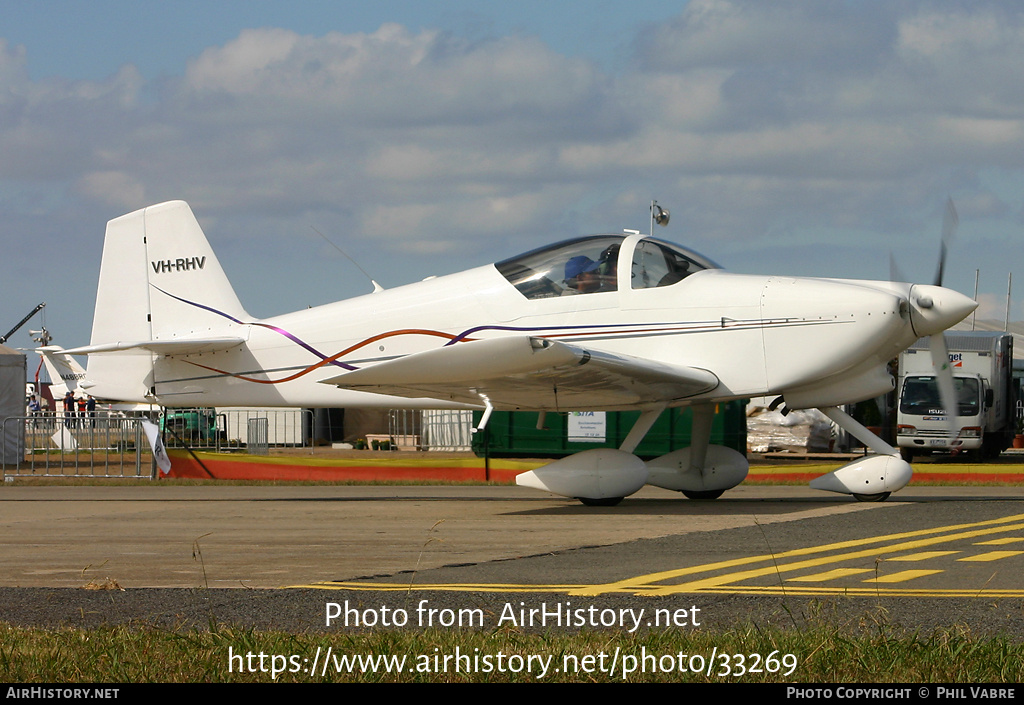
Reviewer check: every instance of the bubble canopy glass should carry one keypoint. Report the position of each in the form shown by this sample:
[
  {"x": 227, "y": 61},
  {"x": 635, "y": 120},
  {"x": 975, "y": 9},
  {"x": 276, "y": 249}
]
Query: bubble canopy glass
[{"x": 589, "y": 265}]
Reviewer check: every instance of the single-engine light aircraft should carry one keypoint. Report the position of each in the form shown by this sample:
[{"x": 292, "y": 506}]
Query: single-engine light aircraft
[{"x": 611, "y": 322}]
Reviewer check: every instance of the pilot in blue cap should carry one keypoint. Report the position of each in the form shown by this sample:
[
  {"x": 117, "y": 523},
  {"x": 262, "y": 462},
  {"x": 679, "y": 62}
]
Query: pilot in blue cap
[{"x": 578, "y": 265}]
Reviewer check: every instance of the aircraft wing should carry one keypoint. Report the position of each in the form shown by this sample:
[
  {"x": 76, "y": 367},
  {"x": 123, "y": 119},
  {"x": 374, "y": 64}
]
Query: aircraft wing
[{"x": 528, "y": 372}]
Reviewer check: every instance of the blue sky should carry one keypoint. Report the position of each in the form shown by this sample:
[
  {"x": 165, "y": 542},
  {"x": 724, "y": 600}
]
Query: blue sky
[{"x": 428, "y": 137}]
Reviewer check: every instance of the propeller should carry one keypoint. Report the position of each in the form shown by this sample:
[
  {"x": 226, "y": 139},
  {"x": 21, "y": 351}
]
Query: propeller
[
  {"x": 937, "y": 341},
  {"x": 944, "y": 380},
  {"x": 950, "y": 221},
  {"x": 895, "y": 273}
]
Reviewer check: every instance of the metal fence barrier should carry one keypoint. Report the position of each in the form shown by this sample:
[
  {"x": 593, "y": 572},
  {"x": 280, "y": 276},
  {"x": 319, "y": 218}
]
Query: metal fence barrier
[
  {"x": 286, "y": 428},
  {"x": 94, "y": 445},
  {"x": 228, "y": 428},
  {"x": 257, "y": 437},
  {"x": 446, "y": 430},
  {"x": 111, "y": 444}
]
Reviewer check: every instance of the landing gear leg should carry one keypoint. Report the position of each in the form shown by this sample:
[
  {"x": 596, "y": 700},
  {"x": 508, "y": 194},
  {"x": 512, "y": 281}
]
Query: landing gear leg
[
  {"x": 858, "y": 431},
  {"x": 700, "y": 435},
  {"x": 640, "y": 429}
]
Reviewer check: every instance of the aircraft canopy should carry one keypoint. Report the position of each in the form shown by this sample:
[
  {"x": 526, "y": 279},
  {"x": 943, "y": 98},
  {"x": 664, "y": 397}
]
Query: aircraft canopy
[{"x": 589, "y": 265}]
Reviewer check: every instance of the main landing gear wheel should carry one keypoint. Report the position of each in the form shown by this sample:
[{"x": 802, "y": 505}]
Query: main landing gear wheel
[
  {"x": 603, "y": 502},
  {"x": 703, "y": 494},
  {"x": 879, "y": 497}
]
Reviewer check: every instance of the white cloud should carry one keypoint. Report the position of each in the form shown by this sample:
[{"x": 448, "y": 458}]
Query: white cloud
[
  {"x": 114, "y": 187},
  {"x": 800, "y": 96},
  {"x": 756, "y": 123}
]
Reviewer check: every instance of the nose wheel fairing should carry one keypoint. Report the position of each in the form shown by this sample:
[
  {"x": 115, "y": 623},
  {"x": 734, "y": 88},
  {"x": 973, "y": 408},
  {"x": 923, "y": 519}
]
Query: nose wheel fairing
[
  {"x": 872, "y": 475},
  {"x": 871, "y": 478}
]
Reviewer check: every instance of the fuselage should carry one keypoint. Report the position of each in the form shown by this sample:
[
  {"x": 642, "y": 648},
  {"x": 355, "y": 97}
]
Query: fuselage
[{"x": 818, "y": 341}]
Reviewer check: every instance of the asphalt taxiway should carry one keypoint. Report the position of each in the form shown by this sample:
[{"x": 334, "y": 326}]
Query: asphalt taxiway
[{"x": 937, "y": 553}]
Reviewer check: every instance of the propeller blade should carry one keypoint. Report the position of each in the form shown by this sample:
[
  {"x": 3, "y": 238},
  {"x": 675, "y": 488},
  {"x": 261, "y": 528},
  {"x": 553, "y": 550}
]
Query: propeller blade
[
  {"x": 895, "y": 274},
  {"x": 950, "y": 221},
  {"x": 944, "y": 380}
]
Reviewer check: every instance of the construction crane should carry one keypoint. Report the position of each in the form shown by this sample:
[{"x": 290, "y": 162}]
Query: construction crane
[{"x": 22, "y": 322}]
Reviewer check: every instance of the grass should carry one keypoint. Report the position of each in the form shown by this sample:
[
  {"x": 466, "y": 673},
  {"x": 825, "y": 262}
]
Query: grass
[{"x": 822, "y": 653}]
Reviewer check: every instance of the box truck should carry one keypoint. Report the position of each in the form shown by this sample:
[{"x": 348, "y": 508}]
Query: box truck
[{"x": 981, "y": 363}]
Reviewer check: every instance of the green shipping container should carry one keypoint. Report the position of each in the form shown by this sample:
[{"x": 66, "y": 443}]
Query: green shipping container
[{"x": 515, "y": 433}]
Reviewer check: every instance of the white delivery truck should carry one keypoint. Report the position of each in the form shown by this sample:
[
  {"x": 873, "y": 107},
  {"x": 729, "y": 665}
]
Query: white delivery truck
[{"x": 981, "y": 363}]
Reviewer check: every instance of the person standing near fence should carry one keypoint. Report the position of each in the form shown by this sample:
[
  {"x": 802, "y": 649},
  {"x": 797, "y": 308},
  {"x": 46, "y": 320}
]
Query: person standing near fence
[
  {"x": 69, "y": 409},
  {"x": 81, "y": 411}
]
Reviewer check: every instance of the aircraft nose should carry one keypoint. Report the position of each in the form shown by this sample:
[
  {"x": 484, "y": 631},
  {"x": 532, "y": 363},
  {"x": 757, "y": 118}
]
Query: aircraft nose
[{"x": 933, "y": 309}]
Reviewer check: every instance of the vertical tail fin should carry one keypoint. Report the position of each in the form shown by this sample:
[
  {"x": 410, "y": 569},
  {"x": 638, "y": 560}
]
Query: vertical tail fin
[
  {"x": 159, "y": 280},
  {"x": 65, "y": 372}
]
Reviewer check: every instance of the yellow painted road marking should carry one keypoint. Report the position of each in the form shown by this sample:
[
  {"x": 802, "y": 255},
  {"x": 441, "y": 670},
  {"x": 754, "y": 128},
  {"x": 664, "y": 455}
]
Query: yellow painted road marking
[
  {"x": 902, "y": 576},
  {"x": 1001, "y": 542},
  {"x": 876, "y": 590},
  {"x": 643, "y": 584},
  {"x": 922, "y": 556},
  {"x": 645, "y": 581},
  {"x": 774, "y": 565},
  {"x": 990, "y": 556},
  {"x": 829, "y": 575},
  {"x": 439, "y": 587}
]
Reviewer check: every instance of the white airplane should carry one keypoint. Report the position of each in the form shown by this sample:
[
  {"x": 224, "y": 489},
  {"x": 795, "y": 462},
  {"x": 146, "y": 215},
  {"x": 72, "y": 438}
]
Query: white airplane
[
  {"x": 65, "y": 372},
  {"x": 60, "y": 365},
  {"x": 612, "y": 322}
]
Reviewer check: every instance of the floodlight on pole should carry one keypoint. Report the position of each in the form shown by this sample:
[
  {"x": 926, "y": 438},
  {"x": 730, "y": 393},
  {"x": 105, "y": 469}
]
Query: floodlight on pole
[{"x": 659, "y": 215}]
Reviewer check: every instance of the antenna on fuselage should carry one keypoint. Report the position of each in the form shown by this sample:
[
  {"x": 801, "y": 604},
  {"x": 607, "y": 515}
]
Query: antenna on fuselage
[
  {"x": 659, "y": 215},
  {"x": 376, "y": 287}
]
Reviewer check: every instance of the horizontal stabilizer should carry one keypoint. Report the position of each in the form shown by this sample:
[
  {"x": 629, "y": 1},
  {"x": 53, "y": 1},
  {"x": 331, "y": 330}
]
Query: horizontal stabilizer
[
  {"x": 523, "y": 371},
  {"x": 180, "y": 346}
]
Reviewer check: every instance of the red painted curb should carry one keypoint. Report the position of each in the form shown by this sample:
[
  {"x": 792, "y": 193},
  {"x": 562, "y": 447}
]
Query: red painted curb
[
  {"x": 421, "y": 469},
  {"x": 183, "y": 465}
]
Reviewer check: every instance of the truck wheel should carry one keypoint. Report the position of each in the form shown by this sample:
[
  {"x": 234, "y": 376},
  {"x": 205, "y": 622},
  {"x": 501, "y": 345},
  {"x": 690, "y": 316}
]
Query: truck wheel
[
  {"x": 907, "y": 454},
  {"x": 990, "y": 447}
]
